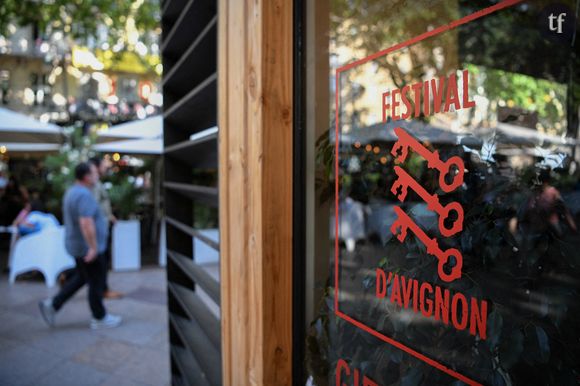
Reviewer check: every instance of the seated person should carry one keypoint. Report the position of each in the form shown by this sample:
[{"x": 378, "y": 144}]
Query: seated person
[{"x": 31, "y": 220}]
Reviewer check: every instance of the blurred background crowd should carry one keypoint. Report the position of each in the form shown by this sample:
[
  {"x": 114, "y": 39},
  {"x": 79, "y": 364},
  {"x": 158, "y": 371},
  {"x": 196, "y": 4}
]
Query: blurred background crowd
[{"x": 78, "y": 69}]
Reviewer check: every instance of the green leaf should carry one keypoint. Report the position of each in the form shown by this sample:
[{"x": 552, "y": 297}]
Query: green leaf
[
  {"x": 511, "y": 348},
  {"x": 413, "y": 377},
  {"x": 494, "y": 328},
  {"x": 543, "y": 344}
]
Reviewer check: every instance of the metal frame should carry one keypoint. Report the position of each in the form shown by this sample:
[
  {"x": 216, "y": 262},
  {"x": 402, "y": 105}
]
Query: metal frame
[{"x": 299, "y": 199}]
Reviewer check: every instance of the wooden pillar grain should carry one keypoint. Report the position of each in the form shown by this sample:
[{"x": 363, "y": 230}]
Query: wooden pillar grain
[{"x": 255, "y": 166}]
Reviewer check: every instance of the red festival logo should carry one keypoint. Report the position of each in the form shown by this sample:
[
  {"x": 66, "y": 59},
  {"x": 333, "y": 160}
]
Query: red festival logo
[
  {"x": 426, "y": 299},
  {"x": 453, "y": 167}
]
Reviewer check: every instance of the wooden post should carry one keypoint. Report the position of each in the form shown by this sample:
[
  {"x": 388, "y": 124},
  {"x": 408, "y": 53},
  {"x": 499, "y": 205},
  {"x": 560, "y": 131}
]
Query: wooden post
[{"x": 255, "y": 171}]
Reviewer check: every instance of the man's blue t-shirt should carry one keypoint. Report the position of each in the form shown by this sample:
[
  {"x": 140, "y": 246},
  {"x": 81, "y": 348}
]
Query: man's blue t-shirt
[{"x": 80, "y": 202}]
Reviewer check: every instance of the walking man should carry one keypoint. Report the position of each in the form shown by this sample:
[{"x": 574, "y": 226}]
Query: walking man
[{"x": 86, "y": 232}]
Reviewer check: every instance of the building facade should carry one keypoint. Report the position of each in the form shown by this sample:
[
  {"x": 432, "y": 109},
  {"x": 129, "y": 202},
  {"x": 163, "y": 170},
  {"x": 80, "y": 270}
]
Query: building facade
[{"x": 55, "y": 80}]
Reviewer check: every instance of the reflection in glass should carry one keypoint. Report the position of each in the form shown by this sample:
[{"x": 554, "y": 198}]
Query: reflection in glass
[{"x": 520, "y": 196}]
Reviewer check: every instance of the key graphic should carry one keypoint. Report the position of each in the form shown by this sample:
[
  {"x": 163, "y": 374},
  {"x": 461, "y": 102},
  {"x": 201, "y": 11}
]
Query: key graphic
[
  {"x": 400, "y": 189},
  {"x": 400, "y": 229},
  {"x": 400, "y": 151}
]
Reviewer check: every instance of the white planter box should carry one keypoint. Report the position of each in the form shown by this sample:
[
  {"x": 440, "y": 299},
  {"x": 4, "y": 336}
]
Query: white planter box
[
  {"x": 126, "y": 245},
  {"x": 203, "y": 253}
]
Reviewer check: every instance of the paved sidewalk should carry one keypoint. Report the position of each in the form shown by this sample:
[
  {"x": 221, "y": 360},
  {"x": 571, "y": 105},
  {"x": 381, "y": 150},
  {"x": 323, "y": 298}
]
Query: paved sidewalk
[{"x": 136, "y": 353}]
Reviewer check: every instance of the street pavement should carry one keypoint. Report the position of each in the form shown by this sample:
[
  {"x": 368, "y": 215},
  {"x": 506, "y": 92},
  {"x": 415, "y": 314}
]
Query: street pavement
[{"x": 134, "y": 354}]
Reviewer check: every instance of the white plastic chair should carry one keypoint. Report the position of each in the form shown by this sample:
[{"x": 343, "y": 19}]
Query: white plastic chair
[{"x": 43, "y": 251}]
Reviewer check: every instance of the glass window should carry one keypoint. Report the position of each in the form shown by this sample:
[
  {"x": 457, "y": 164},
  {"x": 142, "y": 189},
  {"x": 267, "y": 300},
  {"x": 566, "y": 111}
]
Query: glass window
[{"x": 443, "y": 194}]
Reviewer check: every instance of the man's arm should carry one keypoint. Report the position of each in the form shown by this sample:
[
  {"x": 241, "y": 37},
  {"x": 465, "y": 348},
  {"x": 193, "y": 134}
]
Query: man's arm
[
  {"x": 89, "y": 232},
  {"x": 21, "y": 216}
]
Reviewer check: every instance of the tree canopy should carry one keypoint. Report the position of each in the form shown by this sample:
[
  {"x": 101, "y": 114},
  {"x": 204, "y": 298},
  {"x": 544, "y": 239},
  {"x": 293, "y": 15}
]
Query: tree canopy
[{"x": 121, "y": 21}]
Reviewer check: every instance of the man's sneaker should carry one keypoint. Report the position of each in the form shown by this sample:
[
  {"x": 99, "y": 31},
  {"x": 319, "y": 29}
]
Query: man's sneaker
[
  {"x": 47, "y": 311},
  {"x": 109, "y": 321}
]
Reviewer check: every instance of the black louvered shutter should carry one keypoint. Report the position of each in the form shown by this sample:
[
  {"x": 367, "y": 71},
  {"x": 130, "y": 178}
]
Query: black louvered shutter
[{"x": 189, "y": 51}]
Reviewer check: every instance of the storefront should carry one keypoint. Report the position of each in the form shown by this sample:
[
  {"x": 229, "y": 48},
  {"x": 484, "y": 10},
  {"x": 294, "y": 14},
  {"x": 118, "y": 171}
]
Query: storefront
[{"x": 398, "y": 191}]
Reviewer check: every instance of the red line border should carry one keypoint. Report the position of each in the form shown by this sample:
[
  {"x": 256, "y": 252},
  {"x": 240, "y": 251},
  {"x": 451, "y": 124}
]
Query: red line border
[{"x": 447, "y": 27}]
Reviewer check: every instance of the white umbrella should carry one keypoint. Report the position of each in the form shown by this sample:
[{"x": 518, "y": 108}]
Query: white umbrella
[
  {"x": 151, "y": 127},
  {"x": 144, "y": 136},
  {"x": 19, "y": 128},
  {"x": 143, "y": 146},
  {"x": 28, "y": 150}
]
